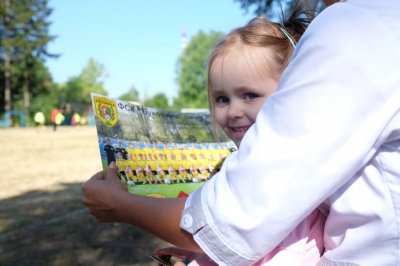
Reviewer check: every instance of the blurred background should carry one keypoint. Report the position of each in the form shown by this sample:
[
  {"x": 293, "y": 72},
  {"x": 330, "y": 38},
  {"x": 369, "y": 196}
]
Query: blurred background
[{"x": 52, "y": 55}]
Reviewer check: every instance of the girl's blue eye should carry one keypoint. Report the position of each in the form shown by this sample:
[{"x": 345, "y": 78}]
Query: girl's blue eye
[
  {"x": 250, "y": 96},
  {"x": 222, "y": 99}
]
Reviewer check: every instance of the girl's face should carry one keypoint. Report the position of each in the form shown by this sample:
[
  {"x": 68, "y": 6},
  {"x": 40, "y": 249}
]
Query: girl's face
[{"x": 239, "y": 87}]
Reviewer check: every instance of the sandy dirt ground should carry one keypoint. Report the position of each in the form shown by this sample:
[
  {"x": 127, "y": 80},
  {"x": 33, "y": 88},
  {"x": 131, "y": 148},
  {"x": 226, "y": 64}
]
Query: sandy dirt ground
[{"x": 42, "y": 219}]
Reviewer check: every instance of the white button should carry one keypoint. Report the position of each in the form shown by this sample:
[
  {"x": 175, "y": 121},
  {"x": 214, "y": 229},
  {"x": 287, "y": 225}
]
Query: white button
[{"x": 187, "y": 221}]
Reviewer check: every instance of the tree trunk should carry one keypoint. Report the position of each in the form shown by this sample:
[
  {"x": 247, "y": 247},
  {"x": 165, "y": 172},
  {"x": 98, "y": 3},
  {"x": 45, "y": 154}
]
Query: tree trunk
[
  {"x": 26, "y": 91},
  {"x": 26, "y": 98},
  {"x": 7, "y": 89}
]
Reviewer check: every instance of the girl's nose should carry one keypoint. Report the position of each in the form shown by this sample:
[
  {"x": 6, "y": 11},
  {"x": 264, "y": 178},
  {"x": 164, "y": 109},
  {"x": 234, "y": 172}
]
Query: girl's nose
[{"x": 235, "y": 111}]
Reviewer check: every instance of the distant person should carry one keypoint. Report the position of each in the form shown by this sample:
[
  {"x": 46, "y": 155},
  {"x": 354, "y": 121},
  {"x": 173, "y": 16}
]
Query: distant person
[
  {"x": 75, "y": 119},
  {"x": 39, "y": 120},
  {"x": 59, "y": 119},
  {"x": 54, "y": 113}
]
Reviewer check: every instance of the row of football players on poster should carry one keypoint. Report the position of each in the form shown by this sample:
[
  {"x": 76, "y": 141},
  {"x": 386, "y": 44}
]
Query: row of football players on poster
[
  {"x": 155, "y": 165},
  {"x": 172, "y": 151},
  {"x": 146, "y": 175}
]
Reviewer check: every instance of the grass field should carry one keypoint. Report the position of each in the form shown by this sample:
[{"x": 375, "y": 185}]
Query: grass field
[{"x": 42, "y": 219}]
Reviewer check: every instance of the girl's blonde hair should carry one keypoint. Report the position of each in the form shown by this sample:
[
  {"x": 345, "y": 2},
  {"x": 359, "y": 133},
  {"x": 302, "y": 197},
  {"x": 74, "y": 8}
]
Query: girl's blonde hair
[{"x": 278, "y": 38}]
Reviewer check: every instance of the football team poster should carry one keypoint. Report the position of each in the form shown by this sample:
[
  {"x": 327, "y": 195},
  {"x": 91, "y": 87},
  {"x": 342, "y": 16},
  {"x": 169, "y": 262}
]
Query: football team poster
[{"x": 158, "y": 153}]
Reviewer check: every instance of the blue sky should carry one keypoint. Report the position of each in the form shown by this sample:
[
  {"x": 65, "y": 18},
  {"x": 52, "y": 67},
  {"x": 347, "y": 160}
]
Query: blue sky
[{"x": 138, "y": 42}]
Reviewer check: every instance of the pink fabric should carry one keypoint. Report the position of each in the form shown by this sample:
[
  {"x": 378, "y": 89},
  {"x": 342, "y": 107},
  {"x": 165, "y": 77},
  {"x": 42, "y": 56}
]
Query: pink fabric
[{"x": 303, "y": 246}]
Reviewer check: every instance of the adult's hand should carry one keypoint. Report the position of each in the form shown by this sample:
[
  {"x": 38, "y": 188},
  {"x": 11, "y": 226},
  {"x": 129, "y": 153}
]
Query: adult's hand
[
  {"x": 99, "y": 194},
  {"x": 109, "y": 201}
]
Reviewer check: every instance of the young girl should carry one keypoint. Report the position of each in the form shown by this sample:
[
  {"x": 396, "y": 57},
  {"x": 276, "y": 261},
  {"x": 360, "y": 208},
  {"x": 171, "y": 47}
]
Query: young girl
[{"x": 244, "y": 69}]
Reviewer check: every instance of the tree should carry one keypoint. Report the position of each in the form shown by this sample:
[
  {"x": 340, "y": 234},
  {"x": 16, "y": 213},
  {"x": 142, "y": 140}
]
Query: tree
[
  {"x": 45, "y": 102},
  {"x": 44, "y": 93},
  {"x": 159, "y": 101},
  {"x": 192, "y": 71},
  {"x": 131, "y": 96},
  {"x": 72, "y": 90},
  {"x": 267, "y": 7},
  {"x": 24, "y": 38},
  {"x": 77, "y": 89},
  {"x": 93, "y": 76}
]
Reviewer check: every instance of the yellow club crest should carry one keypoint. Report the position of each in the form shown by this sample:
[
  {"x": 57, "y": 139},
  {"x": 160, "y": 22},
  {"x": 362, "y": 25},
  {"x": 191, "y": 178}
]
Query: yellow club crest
[{"x": 106, "y": 111}]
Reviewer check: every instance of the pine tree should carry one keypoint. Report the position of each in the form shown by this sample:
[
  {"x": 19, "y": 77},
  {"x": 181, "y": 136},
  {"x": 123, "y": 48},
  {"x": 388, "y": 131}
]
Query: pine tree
[{"x": 24, "y": 35}]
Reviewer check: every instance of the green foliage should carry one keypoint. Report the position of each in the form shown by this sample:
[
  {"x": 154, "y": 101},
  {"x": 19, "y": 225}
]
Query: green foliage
[
  {"x": 261, "y": 7},
  {"x": 45, "y": 103},
  {"x": 92, "y": 77},
  {"x": 24, "y": 38},
  {"x": 43, "y": 92},
  {"x": 159, "y": 101},
  {"x": 272, "y": 8},
  {"x": 192, "y": 71},
  {"x": 72, "y": 90},
  {"x": 77, "y": 89},
  {"x": 131, "y": 96},
  {"x": 24, "y": 29}
]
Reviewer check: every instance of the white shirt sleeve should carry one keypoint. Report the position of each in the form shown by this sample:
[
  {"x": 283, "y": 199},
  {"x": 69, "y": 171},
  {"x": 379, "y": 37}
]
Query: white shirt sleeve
[{"x": 311, "y": 137}]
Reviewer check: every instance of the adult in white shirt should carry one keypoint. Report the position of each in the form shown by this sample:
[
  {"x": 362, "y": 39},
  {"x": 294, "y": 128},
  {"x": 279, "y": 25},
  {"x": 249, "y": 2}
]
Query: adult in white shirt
[{"x": 328, "y": 138}]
